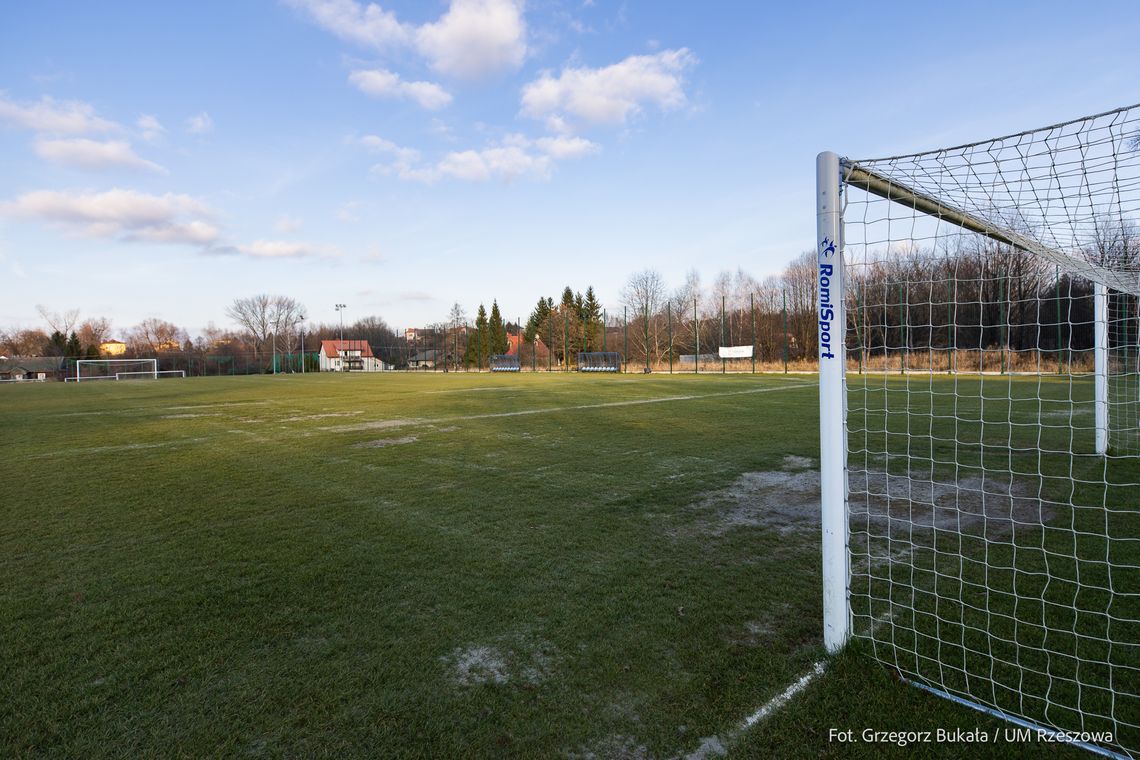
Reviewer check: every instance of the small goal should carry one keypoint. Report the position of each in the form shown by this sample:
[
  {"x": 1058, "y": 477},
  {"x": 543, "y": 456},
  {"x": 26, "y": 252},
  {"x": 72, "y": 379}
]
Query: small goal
[
  {"x": 599, "y": 361},
  {"x": 116, "y": 369},
  {"x": 979, "y": 352}
]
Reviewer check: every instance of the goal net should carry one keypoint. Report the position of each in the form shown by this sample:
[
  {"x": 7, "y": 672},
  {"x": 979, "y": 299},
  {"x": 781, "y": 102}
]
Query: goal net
[
  {"x": 116, "y": 369},
  {"x": 979, "y": 346}
]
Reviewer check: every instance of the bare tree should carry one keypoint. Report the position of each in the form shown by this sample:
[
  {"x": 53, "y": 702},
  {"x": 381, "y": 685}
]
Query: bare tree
[
  {"x": 153, "y": 335},
  {"x": 92, "y": 332},
  {"x": 19, "y": 342},
  {"x": 644, "y": 295},
  {"x": 266, "y": 318},
  {"x": 59, "y": 321}
]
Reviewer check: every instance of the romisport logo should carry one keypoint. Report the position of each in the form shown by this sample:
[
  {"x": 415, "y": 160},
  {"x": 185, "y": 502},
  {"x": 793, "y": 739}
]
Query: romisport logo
[{"x": 826, "y": 308}]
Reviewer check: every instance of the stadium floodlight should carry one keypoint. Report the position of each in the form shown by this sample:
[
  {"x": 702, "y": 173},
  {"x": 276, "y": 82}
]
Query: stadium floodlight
[
  {"x": 115, "y": 369},
  {"x": 979, "y": 349}
]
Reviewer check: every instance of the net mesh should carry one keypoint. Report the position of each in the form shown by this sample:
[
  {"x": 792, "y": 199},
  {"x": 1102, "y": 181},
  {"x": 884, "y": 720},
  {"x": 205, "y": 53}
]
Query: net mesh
[
  {"x": 115, "y": 369},
  {"x": 994, "y": 553}
]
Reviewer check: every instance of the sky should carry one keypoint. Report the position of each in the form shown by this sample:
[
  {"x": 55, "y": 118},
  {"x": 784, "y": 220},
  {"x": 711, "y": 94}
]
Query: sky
[{"x": 163, "y": 159}]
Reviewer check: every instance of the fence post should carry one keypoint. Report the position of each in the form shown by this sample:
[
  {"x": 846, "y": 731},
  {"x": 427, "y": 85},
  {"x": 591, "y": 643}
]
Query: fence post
[
  {"x": 723, "y": 361},
  {"x": 625, "y": 331},
  {"x": 669, "y": 317},
  {"x": 697, "y": 333},
  {"x": 752, "y": 309},
  {"x": 785, "y": 293},
  {"x": 647, "y": 334}
]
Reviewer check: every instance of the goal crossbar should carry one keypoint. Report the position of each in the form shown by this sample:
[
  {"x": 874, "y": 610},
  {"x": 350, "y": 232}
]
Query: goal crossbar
[{"x": 890, "y": 189}]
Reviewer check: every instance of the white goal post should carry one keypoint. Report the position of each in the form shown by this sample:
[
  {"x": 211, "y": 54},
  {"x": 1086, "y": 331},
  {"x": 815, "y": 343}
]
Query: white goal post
[
  {"x": 115, "y": 369},
  {"x": 979, "y": 359}
]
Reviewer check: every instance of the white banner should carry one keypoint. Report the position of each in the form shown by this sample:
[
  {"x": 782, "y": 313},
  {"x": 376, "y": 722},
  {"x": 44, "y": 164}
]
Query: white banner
[{"x": 736, "y": 352}]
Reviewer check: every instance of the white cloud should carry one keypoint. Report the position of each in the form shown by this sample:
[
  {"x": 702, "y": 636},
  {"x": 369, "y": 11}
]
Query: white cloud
[
  {"x": 403, "y": 159},
  {"x": 69, "y": 117},
  {"x": 609, "y": 95},
  {"x": 120, "y": 214},
  {"x": 93, "y": 155},
  {"x": 514, "y": 157},
  {"x": 472, "y": 39},
  {"x": 368, "y": 25},
  {"x": 150, "y": 127},
  {"x": 200, "y": 124},
  {"x": 475, "y": 38},
  {"x": 286, "y": 224},
  {"x": 385, "y": 84},
  {"x": 560, "y": 148},
  {"x": 281, "y": 249},
  {"x": 347, "y": 212}
]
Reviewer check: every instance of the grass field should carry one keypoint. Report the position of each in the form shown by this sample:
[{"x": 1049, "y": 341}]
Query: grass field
[{"x": 427, "y": 566}]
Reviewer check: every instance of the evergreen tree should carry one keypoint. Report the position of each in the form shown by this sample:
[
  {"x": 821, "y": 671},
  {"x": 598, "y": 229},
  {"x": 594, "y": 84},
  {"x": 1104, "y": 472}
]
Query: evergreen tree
[
  {"x": 536, "y": 325},
  {"x": 482, "y": 339},
  {"x": 592, "y": 316},
  {"x": 56, "y": 345},
  {"x": 568, "y": 298},
  {"x": 72, "y": 349},
  {"x": 497, "y": 331}
]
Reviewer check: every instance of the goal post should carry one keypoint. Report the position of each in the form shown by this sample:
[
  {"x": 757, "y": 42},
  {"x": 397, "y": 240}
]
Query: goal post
[
  {"x": 115, "y": 369},
  {"x": 979, "y": 355}
]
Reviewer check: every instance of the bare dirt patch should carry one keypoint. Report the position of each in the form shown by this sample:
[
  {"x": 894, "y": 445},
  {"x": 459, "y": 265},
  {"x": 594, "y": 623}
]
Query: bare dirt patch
[
  {"x": 371, "y": 425},
  {"x": 326, "y": 415},
  {"x": 895, "y": 506},
  {"x": 509, "y": 659},
  {"x": 381, "y": 443},
  {"x": 990, "y": 505}
]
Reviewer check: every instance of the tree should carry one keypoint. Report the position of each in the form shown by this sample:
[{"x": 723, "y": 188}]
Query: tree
[
  {"x": 92, "y": 332},
  {"x": 23, "y": 342},
  {"x": 59, "y": 321},
  {"x": 592, "y": 316},
  {"x": 497, "y": 332},
  {"x": 56, "y": 344},
  {"x": 72, "y": 349},
  {"x": 153, "y": 335},
  {"x": 264, "y": 317},
  {"x": 536, "y": 324},
  {"x": 479, "y": 344},
  {"x": 644, "y": 296}
]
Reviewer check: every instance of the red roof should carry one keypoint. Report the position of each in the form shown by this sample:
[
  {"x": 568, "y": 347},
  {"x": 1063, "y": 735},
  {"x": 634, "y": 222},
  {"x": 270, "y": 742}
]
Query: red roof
[{"x": 332, "y": 348}]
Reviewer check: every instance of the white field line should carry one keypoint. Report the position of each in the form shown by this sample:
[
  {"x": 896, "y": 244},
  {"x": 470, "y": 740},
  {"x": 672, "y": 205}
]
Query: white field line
[
  {"x": 123, "y": 447},
  {"x": 549, "y": 410},
  {"x": 781, "y": 699}
]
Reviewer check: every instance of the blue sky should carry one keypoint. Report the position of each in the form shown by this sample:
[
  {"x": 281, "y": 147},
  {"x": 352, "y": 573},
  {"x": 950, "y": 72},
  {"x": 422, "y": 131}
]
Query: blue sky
[{"x": 162, "y": 159}]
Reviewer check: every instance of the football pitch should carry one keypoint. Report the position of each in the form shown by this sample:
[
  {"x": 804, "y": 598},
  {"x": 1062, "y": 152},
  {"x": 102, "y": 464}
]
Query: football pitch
[{"x": 444, "y": 565}]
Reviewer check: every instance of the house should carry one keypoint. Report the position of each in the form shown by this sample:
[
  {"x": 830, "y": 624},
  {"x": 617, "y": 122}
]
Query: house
[
  {"x": 349, "y": 356},
  {"x": 112, "y": 348},
  {"x": 428, "y": 359},
  {"x": 22, "y": 368}
]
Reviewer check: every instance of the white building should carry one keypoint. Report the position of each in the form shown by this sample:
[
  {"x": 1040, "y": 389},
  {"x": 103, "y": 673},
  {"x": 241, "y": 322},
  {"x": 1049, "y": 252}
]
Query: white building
[{"x": 349, "y": 356}]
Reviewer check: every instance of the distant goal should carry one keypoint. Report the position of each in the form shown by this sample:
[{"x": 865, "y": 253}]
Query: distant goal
[
  {"x": 599, "y": 361},
  {"x": 115, "y": 369}
]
